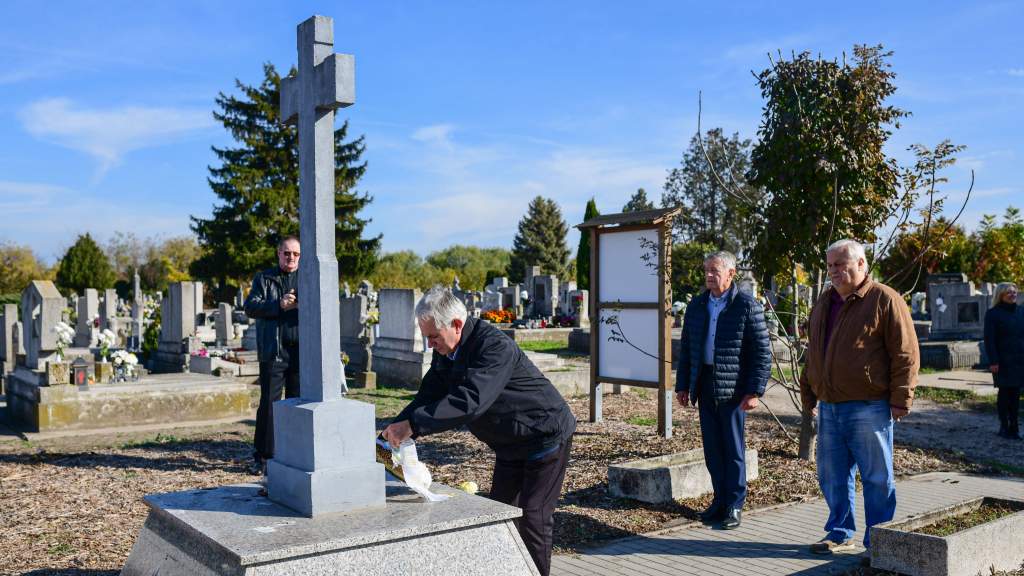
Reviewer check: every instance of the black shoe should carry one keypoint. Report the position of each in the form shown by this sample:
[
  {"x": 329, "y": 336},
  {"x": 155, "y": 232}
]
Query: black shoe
[
  {"x": 732, "y": 520},
  {"x": 712, "y": 515}
]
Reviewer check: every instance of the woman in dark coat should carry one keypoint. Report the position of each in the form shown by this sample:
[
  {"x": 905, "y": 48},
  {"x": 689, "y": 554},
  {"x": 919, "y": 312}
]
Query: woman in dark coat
[{"x": 1004, "y": 345}]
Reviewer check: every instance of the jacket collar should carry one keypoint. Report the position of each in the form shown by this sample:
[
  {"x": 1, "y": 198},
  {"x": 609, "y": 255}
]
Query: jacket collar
[
  {"x": 729, "y": 294},
  {"x": 861, "y": 290}
]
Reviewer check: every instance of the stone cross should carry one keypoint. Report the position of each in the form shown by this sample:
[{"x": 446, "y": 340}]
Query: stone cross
[
  {"x": 323, "y": 444},
  {"x": 326, "y": 81}
]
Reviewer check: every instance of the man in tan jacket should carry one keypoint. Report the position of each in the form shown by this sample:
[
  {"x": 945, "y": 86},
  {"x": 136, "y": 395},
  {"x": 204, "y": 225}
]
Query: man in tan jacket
[{"x": 862, "y": 363}]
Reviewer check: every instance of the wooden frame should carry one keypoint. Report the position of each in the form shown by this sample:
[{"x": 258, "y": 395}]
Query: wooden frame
[{"x": 659, "y": 220}]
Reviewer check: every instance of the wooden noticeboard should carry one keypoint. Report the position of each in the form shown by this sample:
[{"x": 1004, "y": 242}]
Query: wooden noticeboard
[{"x": 630, "y": 306}]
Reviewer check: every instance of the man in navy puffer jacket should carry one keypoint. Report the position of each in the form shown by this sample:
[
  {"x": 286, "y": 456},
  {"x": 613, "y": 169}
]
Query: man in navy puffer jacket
[{"x": 724, "y": 364}]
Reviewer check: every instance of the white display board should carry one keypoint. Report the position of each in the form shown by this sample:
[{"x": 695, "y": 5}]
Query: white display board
[
  {"x": 635, "y": 359},
  {"x": 628, "y": 267}
]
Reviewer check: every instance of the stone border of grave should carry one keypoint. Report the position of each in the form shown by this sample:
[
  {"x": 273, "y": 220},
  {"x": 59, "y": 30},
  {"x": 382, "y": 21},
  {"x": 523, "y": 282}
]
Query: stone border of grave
[
  {"x": 993, "y": 545},
  {"x": 668, "y": 477}
]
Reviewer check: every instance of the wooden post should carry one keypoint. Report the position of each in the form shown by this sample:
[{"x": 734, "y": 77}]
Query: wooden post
[
  {"x": 595, "y": 329},
  {"x": 664, "y": 334}
]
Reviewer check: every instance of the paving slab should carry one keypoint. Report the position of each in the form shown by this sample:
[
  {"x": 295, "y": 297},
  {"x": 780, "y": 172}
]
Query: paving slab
[{"x": 770, "y": 542}]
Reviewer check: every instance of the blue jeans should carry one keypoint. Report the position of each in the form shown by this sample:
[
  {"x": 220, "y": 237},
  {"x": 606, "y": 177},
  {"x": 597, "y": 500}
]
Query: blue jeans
[{"x": 854, "y": 436}]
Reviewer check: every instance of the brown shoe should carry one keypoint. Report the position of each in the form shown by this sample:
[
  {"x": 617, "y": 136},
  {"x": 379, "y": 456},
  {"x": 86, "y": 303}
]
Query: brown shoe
[{"x": 826, "y": 546}]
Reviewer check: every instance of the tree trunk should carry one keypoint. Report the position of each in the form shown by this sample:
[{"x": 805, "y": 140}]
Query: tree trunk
[
  {"x": 795, "y": 334},
  {"x": 808, "y": 436}
]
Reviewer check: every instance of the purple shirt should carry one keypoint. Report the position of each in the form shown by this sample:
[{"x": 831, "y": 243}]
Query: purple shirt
[{"x": 835, "y": 305}]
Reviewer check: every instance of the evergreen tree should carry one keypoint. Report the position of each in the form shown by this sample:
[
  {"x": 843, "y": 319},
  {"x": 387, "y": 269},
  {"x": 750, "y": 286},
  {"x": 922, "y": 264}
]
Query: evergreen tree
[
  {"x": 540, "y": 241},
  {"x": 583, "y": 250},
  {"x": 258, "y": 185},
  {"x": 83, "y": 266},
  {"x": 638, "y": 202}
]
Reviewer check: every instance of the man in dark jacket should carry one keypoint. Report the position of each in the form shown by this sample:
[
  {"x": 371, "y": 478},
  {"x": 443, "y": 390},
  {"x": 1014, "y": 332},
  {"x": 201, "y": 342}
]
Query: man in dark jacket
[
  {"x": 273, "y": 303},
  {"x": 724, "y": 364},
  {"x": 480, "y": 378}
]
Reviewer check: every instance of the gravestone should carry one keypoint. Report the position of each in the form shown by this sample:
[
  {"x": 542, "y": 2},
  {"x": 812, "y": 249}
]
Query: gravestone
[
  {"x": 240, "y": 299},
  {"x": 565, "y": 290},
  {"x": 325, "y": 513},
  {"x": 669, "y": 477},
  {"x": 108, "y": 310},
  {"x": 41, "y": 309},
  {"x": 545, "y": 295},
  {"x": 957, "y": 309},
  {"x": 531, "y": 272},
  {"x": 138, "y": 314},
  {"x": 88, "y": 309},
  {"x": 399, "y": 356},
  {"x": 355, "y": 338},
  {"x": 8, "y": 355},
  {"x": 579, "y": 306},
  {"x": 224, "y": 327},
  {"x": 178, "y": 325},
  {"x": 492, "y": 297}
]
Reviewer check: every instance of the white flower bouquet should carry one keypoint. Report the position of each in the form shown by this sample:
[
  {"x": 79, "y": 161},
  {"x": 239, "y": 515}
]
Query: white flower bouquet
[
  {"x": 65, "y": 335},
  {"x": 106, "y": 339}
]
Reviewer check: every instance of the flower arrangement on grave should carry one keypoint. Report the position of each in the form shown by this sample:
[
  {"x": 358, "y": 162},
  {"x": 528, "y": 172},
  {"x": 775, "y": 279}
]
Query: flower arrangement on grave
[
  {"x": 125, "y": 362},
  {"x": 106, "y": 339},
  {"x": 499, "y": 316},
  {"x": 561, "y": 321},
  {"x": 372, "y": 317},
  {"x": 202, "y": 353},
  {"x": 65, "y": 335}
]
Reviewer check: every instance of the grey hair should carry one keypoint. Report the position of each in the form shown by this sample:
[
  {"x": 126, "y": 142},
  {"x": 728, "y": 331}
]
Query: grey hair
[
  {"x": 852, "y": 248},
  {"x": 441, "y": 307},
  {"x": 1001, "y": 288},
  {"x": 727, "y": 258}
]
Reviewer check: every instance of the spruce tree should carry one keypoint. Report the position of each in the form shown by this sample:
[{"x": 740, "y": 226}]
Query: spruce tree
[
  {"x": 83, "y": 266},
  {"x": 258, "y": 185},
  {"x": 583, "y": 251},
  {"x": 540, "y": 241},
  {"x": 638, "y": 202}
]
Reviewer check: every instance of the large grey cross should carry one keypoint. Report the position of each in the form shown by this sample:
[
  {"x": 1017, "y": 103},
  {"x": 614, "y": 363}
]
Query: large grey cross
[
  {"x": 326, "y": 81},
  {"x": 323, "y": 444}
]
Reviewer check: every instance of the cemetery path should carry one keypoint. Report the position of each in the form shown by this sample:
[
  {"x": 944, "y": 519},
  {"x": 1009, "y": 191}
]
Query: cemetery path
[
  {"x": 770, "y": 542},
  {"x": 963, "y": 430}
]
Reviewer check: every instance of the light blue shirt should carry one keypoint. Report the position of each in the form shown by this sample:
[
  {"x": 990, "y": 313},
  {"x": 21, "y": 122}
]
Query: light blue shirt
[{"x": 715, "y": 307}]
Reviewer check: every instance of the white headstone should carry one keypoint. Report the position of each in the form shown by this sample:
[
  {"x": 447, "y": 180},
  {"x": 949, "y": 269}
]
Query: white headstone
[
  {"x": 88, "y": 309},
  {"x": 41, "y": 309}
]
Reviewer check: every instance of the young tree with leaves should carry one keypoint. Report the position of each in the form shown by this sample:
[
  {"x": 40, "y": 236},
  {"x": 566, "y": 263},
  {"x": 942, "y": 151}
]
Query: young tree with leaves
[
  {"x": 258, "y": 185},
  {"x": 583, "y": 249},
  {"x": 540, "y": 241},
  {"x": 19, "y": 266},
  {"x": 83, "y": 266},
  {"x": 821, "y": 157}
]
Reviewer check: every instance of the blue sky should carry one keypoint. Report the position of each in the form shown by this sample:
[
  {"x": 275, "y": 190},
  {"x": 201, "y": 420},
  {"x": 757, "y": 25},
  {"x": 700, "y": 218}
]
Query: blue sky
[{"x": 469, "y": 108}]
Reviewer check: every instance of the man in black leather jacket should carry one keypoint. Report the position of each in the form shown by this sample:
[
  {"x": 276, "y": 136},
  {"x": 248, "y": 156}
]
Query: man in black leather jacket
[
  {"x": 481, "y": 379},
  {"x": 273, "y": 302}
]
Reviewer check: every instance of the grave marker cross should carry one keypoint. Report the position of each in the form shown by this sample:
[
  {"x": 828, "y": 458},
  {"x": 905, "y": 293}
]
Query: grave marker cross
[{"x": 325, "y": 82}]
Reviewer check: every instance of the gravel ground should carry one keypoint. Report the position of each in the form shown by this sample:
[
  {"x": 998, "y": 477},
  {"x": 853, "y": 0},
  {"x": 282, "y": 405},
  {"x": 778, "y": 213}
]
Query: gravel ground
[{"x": 74, "y": 505}]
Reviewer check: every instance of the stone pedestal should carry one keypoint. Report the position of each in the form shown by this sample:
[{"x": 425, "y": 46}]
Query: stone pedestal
[{"x": 233, "y": 530}]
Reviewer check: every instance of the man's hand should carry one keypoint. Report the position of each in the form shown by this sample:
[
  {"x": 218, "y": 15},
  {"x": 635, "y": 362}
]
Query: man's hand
[
  {"x": 898, "y": 412},
  {"x": 749, "y": 402},
  {"x": 994, "y": 368},
  {"x": 684, "y": 399},
  {"x": 289, "y": 301},
  {"x": 397, "y": 433}
]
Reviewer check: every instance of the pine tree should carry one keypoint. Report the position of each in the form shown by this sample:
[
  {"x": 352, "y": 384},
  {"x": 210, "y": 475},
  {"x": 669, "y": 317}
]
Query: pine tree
[
  {"x": 258, "y": 185},
  {"x": 638, "y": 202},
  {"x": 583, "y": 251},
  {"x": 83, "y": 266},
  {"x": 540, "y": 241}
]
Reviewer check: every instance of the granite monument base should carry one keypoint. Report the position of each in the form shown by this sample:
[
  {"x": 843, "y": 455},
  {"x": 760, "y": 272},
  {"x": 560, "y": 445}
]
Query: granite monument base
[
  {"x": 233, "y": 530},
  {"x": 400, "y": 368}
]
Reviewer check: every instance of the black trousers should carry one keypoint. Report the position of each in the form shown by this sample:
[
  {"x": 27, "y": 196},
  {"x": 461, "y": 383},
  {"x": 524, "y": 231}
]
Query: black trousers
[
  {"x": 534, "y": 486},
  {"x": 1008, "y": 406},
  {"x": 275, "y": 377},
  {"x": 721, "y": 430}
]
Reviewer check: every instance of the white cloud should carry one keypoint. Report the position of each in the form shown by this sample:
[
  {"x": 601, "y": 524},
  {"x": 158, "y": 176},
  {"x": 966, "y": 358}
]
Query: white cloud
[
  {"x": 108, "y": 134},
  {"x": 1016, "y": 72},
  {"x": 437, "y": 133},
  {"x": 26, "y": 197}
]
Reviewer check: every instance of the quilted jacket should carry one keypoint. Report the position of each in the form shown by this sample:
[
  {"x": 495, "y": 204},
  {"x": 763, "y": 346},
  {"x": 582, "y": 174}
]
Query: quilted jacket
[{"x": 742, "y": 350}]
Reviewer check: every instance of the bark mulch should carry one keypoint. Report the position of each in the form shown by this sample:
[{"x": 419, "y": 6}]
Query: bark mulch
[{"x": 74, "y": 505}]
